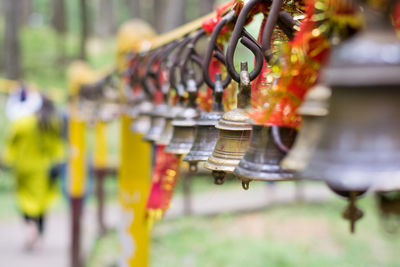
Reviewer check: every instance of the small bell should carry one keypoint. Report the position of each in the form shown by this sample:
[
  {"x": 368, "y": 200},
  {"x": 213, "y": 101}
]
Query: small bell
[
  {"x": 184, "y": 124},
  {"x": 359, "y": 146},
  {"x": 142, "y": 118},
  {"x": 268, "y": 146},
  {"x": 206, "y": 134},
  {"x": 313, "y": 111},
  {"x": 169, "y": 116},
  {"x": 157, "y": 123},
  {"x": 233, "y": 133}
]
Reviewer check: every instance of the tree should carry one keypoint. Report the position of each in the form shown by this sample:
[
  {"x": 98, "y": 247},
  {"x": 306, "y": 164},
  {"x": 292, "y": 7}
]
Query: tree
[
  {"x": 170, "y": 14},
  {"x": 84, "y": 28},
  {"x": 12, "y": 60},
  {"x": 134, "y": 7},
  {"x": 206, "y": 6},
  {"x": 105, "y": 19},
  {"x": 59, "y": 23}
]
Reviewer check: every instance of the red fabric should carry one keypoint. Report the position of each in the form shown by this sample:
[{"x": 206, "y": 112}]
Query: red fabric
[
  {"x": 165, "y": 176},
  {"x": 296, "y": 77}
]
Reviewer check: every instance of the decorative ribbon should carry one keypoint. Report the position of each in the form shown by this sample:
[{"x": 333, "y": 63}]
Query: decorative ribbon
[{"x": 164, "y": 179}]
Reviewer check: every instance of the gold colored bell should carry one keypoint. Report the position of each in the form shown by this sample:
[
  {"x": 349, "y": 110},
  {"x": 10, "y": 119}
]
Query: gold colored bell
[
  {"x": 184, "y": 124},
  {"x": 313, "y": 111},
  {"x": 233, "y": 133},
  {"x": 206, "y": 134},
  {"x": 142, "y": 118},
  {"x": 268, "y": 146},
  {"x": 157, "y": 123}
]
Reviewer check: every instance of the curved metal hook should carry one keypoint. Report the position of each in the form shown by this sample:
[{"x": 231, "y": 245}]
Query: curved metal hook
[
  {"x": 191, "y": 55},
  {"x": 218, "y": 53},
  {"x": 175, "y": 62},
  {"x": 287, "y": 24},
  {"x": 269, "y": 28},
  {"x": 246, "y": 41},
  {"x": 276, "y": 136}
]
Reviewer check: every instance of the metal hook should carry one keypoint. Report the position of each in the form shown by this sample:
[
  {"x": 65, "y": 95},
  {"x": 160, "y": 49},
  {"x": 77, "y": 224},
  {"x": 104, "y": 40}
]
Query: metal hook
[
  {"x": 269, "y": 28},
  {"x": 218, "y": 53},
  {"x": 238, "y": 33},
  {"x": 174, "y": 64},
  {"x": 191, "y": 55}
]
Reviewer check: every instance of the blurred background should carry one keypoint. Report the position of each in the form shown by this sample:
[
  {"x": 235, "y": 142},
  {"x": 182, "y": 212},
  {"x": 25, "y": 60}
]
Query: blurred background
[{"x": 269, "y": 225}]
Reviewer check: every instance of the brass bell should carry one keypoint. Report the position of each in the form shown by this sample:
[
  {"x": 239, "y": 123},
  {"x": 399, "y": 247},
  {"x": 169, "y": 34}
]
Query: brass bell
[
  {"x": 360, "y": 145},
  {"x": 157, "y": 123},
  {"x": 206, "y": 134},
  {"x": 268, "y": 146},
  {"x": 142, "y": 118},
  {"x": 184, "y": 124},
  {"x": 313, "y": 111},
  {"x": 166, "y": 134},
  {"x": 233, "y": 133}
]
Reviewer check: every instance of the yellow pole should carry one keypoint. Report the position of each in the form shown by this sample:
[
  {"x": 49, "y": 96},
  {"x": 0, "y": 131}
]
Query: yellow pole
[
  {"x": 100, "y": 145},
  {"x": 135, "y": 159},
  {"x": 134, "y": 186}
]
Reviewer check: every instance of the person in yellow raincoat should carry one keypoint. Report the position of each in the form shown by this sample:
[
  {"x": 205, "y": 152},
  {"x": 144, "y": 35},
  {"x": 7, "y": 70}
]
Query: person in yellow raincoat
[{"x": 34, "y": 145}]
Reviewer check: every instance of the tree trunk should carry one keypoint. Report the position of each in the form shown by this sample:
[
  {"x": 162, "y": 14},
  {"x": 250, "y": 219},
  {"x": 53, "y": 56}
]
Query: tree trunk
[
  {"x": 59, "y": 16},
  {"x": 105, "y": 20},
  {"x": 12, "y": 61},
  {"x": 170, "y": 14},
  {"x": 206, "y": 6},
  {"x": 84, "y": 28},
  {"x": 26, "y": 11},
  {"x": 134, "y": 7}
]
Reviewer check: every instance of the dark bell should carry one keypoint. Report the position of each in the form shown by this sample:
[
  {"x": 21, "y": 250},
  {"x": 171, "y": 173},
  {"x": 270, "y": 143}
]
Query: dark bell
[
  {"x": 184, "y": 124},
  {"x": 206, "y": 134},
  {"x": 313, "y": 111},
  {"x": 167, "y": 132},
  {"x": 157, "y": 123},
  {"x": 359, "y": 145},
  {"x": 268, "y": 146},
  {"x": 142, "y": 118}
]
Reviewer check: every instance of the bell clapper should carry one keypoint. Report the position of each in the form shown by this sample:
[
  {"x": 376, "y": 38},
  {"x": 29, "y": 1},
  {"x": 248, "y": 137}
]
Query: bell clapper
[
  {"x": 245, "y": 184},
  {"x": 352, "y": 213},
  {"x": 193, "y": 167},
  {"x": 219, "y": 177}
]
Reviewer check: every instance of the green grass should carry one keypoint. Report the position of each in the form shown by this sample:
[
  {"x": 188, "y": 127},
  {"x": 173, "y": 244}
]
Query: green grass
[{"x": 285, "y": 235}]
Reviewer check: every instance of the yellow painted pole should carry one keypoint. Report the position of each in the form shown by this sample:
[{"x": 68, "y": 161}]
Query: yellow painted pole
[
  {"x": 100, "y": 145},
  {"x": 134, "y": 186},
  {"x": 135, "y": 161}
]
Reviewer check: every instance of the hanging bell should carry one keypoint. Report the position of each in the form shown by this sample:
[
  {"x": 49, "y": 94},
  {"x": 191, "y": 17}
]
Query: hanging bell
[
  {"x": 169, "y": 116},
  {"x": 142, "y": 117},
  {"x": 157, "y": 123},
  {"x": 313, "y": 111},
  {"x": 206, "y": 134},
  {"x": 184, "y": 124},
  {"x": 268, "y": 146},
  {"x": 233, "y": 133},
  {"x": 360, "y": 143}
]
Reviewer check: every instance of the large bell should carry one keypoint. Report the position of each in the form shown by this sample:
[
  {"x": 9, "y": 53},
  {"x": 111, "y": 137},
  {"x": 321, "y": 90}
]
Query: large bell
[
  {"x": 206, "y": 134},
  {"x": 184, "y": 123},
  {"x": 233, "y": 133},
  {"x": 360, "y": 143},
  {"x": 313, "y": 111},
  {"x": 142, "y": 118},
  {"x": 268, "y": 146},
  {"x": 157, "y": 123}
]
